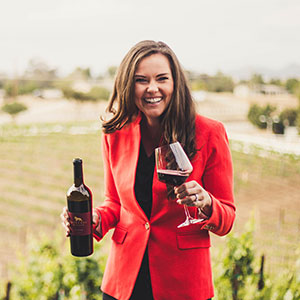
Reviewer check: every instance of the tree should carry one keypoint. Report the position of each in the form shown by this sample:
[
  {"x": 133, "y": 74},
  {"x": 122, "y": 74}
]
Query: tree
[
  {"x": 220, "y": 83},
  {"x": 257, "y": 79},
  {"x": 289, "y": 116},
  {"x": 276, "y": 81},
  {"x": 111, "y": 71},
  {"x": 39, "y": 72},
  {"x": 11, "y": 88},
  {"x": 14, "y": 109},
  {"x": 81, "y": 74},
  {"x": 292, "y": 84}
]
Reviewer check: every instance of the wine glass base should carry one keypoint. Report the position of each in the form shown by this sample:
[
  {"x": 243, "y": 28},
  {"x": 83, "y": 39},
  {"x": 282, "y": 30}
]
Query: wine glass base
[
  {"x": 185, "y": 223},
  {"x": 188, "y": 222}
]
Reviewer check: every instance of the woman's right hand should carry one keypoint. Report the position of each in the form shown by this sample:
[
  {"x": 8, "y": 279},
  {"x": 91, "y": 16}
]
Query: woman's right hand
[
  {"x": 65, "y": 218},
  {"x": 66, "y": 221}
]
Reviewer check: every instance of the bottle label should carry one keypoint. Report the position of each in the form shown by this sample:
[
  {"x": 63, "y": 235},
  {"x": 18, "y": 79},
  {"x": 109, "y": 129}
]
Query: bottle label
[{"x": 81, "y": 223}]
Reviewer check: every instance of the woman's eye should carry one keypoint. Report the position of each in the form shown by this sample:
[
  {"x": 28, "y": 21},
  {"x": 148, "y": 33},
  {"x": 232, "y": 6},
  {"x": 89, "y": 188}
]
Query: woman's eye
[
  {"x": 140, "y": 80},
  {"x": 162, "y": 78}
]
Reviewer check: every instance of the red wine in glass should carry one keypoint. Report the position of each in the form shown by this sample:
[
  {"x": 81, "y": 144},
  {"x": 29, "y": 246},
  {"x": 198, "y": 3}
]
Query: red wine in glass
[
  {"x": 172, "y": 177},
  {"x": 174, "y": 167}
]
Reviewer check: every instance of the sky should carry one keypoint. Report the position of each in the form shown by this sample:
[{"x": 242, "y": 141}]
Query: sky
[{"x": 207, "y": 36}]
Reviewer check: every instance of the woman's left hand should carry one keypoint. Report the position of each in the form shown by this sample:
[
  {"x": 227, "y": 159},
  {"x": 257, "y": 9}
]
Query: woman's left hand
[{"x": 191, "y": 193}]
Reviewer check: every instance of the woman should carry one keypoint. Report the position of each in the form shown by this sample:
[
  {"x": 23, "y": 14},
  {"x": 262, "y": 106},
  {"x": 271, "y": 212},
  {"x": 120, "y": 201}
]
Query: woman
[{"x": 151, "y": 258}]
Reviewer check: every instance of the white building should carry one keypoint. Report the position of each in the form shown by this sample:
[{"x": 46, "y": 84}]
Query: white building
[{"x": 244, "y": 90}]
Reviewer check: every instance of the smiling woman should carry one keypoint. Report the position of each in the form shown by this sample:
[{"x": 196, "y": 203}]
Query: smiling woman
[
  {"x": 151, "y": 71},
  {"x": 151, "y": 258}
]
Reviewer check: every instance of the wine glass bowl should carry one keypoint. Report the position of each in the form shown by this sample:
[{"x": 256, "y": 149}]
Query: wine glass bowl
[{"x": 173, "y": 168}]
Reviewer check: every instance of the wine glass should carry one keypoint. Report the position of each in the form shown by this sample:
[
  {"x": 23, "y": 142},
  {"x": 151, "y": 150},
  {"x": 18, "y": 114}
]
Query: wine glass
[{"x": 174, "y": 167}]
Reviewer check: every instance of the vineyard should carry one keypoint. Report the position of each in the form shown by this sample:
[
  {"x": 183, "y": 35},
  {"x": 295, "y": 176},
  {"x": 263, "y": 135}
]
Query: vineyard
[{"x": 36, "y": 170}]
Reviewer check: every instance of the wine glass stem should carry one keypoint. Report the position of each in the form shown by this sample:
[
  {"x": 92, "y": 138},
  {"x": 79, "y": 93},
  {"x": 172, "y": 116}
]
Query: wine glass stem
[{"x": 187, "y": 213}]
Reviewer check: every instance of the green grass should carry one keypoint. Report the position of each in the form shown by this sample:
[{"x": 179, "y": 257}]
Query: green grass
[{"x": 36, "y": 171}]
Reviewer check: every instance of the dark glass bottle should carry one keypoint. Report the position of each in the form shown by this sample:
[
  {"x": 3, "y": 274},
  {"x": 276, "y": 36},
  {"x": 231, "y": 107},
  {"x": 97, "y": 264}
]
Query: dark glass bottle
[{"x": 79, "y": 199}]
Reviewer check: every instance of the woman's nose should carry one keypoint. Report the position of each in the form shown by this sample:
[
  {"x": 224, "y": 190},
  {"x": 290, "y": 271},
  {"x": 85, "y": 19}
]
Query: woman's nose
[{"x": 152, "y": 87}]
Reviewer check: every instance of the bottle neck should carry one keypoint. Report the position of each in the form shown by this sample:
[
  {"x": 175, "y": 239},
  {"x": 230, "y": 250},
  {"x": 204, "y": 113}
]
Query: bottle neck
[{"x": 78, "y": 174}]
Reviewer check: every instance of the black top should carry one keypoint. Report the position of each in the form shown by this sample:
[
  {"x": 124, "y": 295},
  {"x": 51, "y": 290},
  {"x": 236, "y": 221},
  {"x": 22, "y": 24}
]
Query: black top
[
  {"x": 144, "y": 180},
  {"x": 143, "y": 194}
]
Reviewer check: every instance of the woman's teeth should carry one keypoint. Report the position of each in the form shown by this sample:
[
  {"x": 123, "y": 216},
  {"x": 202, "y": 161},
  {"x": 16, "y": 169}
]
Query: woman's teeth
[{"x": 153, "y": 100}]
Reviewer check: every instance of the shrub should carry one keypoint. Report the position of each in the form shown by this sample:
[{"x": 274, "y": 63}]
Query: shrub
[
  {"x": 71, "y": 94},
  {"x": 256, "y": 112},
  {"x": 261, "y": 115},
  {"x": 10, "y": 88},
  {"x": 49, "y": 271},
  {"x": 14, "y": 108},
  {"x": 289, "y": 116},
  {"x": 236, "y": 266},
  {"x": 27, "y": 87},
  {"x": 96, "y": 93},
  {"x": 239, "y": 274},
  {"x": 14, "y": 88},
  {"x": 298, "y": 121},
  {"x": 217, "y": 83},
  {"x": 99, "y": 93}
]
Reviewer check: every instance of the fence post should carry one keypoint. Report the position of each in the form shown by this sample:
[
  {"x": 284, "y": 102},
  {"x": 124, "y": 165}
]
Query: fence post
[
  {"x": 8, "y": 287},
  {"x": 261, "y": 282}
]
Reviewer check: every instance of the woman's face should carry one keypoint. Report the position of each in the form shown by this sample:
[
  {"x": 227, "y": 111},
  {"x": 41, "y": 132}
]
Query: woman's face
[{"x": 153, "y": 86}]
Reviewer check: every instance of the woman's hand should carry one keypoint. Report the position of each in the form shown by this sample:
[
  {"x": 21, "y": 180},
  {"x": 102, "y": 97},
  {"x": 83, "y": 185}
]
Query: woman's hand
[
  {"x": 96, "y": 219},
  {"x": 191, "y": 193},
  {"x": 66, "y": 220}
]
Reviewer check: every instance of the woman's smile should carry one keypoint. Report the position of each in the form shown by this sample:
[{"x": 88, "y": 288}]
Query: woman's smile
[{"x": 153, "y": 100}]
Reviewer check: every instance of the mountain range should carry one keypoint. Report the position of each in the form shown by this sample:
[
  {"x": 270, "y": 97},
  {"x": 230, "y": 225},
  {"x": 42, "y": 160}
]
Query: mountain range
[{"x": 289, "y": 71}]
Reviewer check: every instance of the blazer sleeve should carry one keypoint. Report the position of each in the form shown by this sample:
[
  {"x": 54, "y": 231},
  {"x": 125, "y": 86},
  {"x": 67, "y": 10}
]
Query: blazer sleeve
[
  {"x": 218, "y": 182},
  {"x": 109, "y": 211}
]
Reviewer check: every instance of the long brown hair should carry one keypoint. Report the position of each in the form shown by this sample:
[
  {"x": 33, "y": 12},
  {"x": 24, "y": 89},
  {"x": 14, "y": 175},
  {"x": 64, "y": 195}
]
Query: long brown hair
[{"x": 178, "y": 120}]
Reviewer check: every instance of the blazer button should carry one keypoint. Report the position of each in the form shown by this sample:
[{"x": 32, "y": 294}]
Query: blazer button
[{"x": 147, "y": 226}]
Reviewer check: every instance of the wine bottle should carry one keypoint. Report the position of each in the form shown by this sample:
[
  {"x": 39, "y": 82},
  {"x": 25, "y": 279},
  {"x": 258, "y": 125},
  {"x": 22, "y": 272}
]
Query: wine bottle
[{"x": 79, "y": 198}]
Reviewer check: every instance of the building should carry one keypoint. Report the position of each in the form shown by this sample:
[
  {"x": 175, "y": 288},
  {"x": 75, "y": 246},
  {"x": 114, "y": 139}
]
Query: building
[{"x": 244, "y": 90}]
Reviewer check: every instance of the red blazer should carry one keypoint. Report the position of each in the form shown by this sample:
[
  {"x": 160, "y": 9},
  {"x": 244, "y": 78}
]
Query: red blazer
[{"x": 179, "y": 258}]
